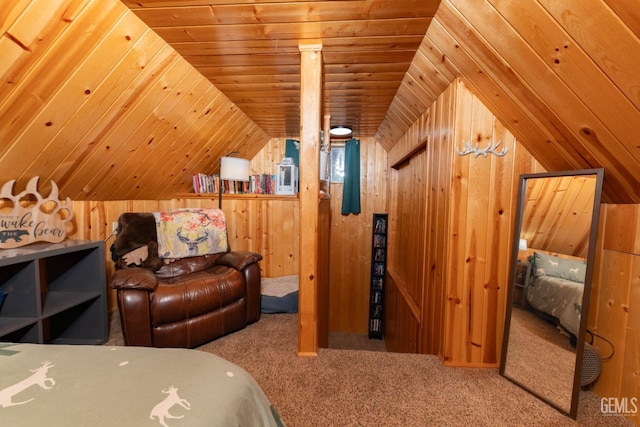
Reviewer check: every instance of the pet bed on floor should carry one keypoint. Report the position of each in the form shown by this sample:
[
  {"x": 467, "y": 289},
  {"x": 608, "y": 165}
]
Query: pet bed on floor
[{"x": 279, "y": 294}]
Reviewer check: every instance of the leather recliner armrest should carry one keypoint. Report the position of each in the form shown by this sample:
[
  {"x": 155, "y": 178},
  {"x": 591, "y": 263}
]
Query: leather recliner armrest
[
  {"x": 134, "y": 278},
  {"x": 239, "y": 259}
]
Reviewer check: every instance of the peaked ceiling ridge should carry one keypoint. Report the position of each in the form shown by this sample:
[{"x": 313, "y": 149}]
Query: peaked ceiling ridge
[{"x": 250, "y": 52}]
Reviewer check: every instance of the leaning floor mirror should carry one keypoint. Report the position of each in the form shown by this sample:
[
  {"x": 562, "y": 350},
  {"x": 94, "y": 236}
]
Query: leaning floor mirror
[{"x": 550, "y": 280}]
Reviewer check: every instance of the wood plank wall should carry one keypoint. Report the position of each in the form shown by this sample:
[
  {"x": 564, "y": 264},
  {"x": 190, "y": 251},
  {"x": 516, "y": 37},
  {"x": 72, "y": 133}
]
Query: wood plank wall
[
  {"x": 269, "y": 156},
  {"x": 407, "y": 253},
  {"x": 482, "y": 212},
  {"x": 615, "y": 302},
  {"x": 453, "y": 279},
  {"x": 349, "y": 238},
  {"x": 350, "y": 242},
  {"x": 415, "y": 323}
]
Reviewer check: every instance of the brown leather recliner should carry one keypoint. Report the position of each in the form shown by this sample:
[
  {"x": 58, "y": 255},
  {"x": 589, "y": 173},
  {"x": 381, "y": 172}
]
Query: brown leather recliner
[{"x": 189, "y": 301}]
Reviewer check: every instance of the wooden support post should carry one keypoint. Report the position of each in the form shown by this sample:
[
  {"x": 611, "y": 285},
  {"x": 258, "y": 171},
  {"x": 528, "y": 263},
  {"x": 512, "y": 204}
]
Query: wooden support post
[{"x": 310, "y": 102}]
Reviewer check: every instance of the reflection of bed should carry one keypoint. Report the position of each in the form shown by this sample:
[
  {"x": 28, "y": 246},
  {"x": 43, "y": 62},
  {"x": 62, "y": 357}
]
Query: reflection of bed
[
  {"x": 102, "y": 385},
  {"x": 556, "y": 288}
]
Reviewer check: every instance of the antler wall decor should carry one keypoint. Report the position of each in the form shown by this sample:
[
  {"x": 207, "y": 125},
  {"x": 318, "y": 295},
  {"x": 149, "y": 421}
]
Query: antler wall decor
[
  {"x": 24, "y": 223},
  {"x": 489, "y": 149}
]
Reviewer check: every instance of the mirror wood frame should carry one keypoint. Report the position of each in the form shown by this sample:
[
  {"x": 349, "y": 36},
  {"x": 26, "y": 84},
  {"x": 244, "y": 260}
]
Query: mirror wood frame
[{"x": 599, "y": 175}]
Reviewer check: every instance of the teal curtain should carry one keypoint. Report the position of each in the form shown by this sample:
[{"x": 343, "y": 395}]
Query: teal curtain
[
  {"x": 351, "y": 189},
  {"x": 292, "y": 150}
]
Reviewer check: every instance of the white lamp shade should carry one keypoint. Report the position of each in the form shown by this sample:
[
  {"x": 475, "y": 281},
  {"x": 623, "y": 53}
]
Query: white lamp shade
[
  {"x": 234, "y": 169},
  {"x": 522, "y": 245}
]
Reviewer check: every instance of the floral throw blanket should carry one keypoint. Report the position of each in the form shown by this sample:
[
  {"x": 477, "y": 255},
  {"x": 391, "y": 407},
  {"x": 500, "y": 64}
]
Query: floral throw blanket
[{"x": 190, "y": 232}]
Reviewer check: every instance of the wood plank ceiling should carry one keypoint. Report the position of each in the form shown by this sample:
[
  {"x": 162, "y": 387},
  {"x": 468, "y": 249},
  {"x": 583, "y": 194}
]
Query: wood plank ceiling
[
  {"x": 249, "y": 50},
  {"x": 563, "y": 76},
  {"x": 91, "y": 97}
]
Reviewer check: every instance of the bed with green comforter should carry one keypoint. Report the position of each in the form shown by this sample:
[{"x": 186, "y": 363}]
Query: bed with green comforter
[
  {"x": 557, "y": 287},
  {"x": 65, "y": 385}
]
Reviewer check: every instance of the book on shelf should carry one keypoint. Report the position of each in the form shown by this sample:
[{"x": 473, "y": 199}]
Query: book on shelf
[
  {"x": 203, "y": 183},
  {"x": 257, "y": 184},
  {"x": 263, "y": 184}
]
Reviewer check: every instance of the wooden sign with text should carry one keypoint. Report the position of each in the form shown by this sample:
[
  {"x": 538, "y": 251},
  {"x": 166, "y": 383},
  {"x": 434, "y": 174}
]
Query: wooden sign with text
[{"x": 29, "y": 217}]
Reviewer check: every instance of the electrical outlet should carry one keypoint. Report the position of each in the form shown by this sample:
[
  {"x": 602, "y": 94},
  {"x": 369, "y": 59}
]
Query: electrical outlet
[{"x": 114, "y": 227}]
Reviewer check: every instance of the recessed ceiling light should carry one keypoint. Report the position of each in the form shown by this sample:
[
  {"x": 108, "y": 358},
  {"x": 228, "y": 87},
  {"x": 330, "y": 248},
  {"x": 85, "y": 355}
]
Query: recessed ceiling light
[{"x": 340, "y": 131}]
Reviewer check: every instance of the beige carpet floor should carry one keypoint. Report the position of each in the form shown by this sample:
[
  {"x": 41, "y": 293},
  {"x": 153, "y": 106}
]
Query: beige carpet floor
[
  {"x": 354, "y": 341},
  {"x": 541, "y": 357},
  {"x": 377, "y": 388}
]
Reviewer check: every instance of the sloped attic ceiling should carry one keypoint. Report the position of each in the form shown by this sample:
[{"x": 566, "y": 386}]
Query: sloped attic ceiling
[
  {"x": 563, "y": 76},
  {"x": 249, "y": 50},
  {"x": 94, "y": 99}
]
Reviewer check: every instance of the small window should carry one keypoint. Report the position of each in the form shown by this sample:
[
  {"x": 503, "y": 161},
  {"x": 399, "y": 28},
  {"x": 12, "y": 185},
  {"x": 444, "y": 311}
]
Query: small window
[{"x": 337, "y": 164}]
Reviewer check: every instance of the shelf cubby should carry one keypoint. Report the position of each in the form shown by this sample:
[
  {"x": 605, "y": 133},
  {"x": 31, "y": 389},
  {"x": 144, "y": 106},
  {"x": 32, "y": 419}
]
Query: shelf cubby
[{"x": 56, "y": 293}]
